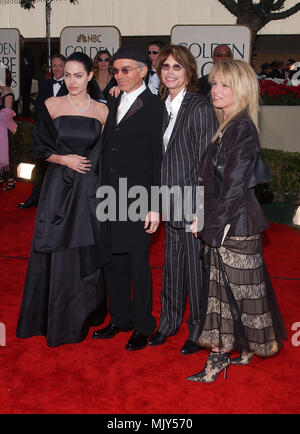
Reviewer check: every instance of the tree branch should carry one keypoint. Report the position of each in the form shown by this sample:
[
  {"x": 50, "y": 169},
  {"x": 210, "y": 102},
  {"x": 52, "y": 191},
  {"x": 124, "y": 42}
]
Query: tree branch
[
  {"x": 231, "y": 6},
  {"x": 278, "y": 5},
  {"x": 268, "y": 5},
  {"x": 285, "y": 14},
  {"x": 245, "y": 5}
]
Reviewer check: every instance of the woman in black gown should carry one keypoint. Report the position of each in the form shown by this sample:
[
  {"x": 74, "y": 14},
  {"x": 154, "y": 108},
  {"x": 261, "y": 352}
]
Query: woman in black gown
[
  {"x": 103, "y": 79},
  {"x": 64, "y": 292}
]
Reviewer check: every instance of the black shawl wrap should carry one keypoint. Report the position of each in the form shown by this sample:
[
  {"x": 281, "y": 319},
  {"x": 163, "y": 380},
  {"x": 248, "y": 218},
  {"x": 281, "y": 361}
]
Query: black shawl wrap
[{"x": 66, "y": 216}]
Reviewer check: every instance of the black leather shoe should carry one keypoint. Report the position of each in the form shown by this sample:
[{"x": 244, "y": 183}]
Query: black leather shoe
[
  {"x": 138, "y": 341},
  {"x": 108, "y": 332},
  {"x": 157, "y": 339},
  {"x": 27, "y": 204},
  {"x": 190, "y": 348}
]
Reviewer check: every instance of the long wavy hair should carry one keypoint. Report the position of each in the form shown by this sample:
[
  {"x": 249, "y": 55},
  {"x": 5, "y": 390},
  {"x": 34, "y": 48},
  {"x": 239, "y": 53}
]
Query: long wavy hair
[
  {"x": 96, "y": 65},
  {"x": 184, "y": 57},
  {"x": 243, "y": 82}
]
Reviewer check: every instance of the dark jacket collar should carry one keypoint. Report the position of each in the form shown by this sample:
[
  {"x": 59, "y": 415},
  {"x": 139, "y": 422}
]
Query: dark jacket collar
[{"x": 135, "y": 107}]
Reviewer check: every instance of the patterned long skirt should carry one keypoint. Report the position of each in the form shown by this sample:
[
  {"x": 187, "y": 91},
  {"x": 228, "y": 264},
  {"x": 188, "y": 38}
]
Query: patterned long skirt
[{"x": 239, "y": 307}]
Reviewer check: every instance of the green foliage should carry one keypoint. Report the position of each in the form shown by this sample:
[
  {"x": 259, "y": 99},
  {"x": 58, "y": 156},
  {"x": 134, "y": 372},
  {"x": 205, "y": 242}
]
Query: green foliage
[
  {"x": 273, "y": 93},
  {"x": 281, "y": 100},
  {"x": 22, "y": 141},
  {"x": 29, "y": 4},
  {"x": 285, "y": 185}
]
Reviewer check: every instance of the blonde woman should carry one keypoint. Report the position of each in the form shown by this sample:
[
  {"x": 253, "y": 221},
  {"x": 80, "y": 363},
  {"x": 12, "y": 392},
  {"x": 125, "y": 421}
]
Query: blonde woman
[
  {"x": 239, "y": 308},
  {"x": 103, "y": 79}
]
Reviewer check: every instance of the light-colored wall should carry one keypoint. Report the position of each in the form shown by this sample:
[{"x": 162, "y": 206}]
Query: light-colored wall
[
  {"x": 280, "y": 128},
  {"x": 132, "y": 17}
]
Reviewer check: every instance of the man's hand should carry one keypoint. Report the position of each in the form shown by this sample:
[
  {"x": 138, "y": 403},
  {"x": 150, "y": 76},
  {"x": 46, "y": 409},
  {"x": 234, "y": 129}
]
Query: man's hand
[
  {"x": 153, "y": 219},
  {"x": 115, "y": 91}
]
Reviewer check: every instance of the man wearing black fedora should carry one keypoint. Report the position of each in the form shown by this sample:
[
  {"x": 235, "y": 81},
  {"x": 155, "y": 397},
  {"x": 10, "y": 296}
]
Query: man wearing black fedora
[{"x": 132, "y": 154}]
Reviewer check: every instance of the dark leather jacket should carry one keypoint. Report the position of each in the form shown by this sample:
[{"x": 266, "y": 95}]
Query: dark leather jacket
[{"x": 234, "y": 204}]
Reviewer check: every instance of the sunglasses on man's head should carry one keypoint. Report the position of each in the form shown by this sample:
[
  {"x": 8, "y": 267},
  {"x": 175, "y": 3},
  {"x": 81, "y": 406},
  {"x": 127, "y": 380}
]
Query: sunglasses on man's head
[
  {"x": 175, "y": 67},
  {"x": 125, "y": 70},
  {"x": 103, "y": 60},
  {"x": 152, "y": 52}
]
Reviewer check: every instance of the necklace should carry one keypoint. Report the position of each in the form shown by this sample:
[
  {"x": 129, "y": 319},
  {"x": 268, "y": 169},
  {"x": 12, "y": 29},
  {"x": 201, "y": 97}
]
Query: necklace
[
  {"x": 78, "y": 109},
  {"x": 103, "y": 81}
]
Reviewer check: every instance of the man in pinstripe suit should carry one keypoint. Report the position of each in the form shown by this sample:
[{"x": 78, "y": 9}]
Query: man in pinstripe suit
[{"x": 189, "y": 126}]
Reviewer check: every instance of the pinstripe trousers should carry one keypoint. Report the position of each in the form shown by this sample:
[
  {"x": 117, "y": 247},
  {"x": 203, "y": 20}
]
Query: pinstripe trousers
[{"x": 182, "y": 277}]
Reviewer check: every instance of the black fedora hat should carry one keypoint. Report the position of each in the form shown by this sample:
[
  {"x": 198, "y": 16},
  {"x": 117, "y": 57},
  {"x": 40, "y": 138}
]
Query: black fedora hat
[{"x": 133, "y": 53}]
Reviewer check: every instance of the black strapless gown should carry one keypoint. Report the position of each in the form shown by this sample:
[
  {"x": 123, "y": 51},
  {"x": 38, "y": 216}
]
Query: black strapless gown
[{"x": 64, "y": 291}]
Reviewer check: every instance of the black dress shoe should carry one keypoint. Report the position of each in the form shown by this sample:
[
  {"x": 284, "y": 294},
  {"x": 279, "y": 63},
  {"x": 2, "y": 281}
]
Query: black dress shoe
[
  {"x": 138, "y": 341},
  {"x": 190, "y": 348},
  {"x": 108, "y": 332},
  {"x": 157, "y": 339},
  {"x": 27, "y": 204}
]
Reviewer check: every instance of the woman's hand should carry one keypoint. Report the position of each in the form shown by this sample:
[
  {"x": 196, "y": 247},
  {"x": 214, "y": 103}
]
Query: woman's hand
[
  {"x": 76, "y": 162},
  {"x": 194, "y": 227}
]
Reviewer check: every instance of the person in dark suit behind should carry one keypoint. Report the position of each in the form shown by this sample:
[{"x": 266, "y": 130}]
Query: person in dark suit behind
[
  {"x": 239, "y": 308},
  {"x": 48, "y": 88},
  {"x": 192, "y": 124},
  {"x": 132, "y": 153},
  {"x": 277, "y": 70},
  {"x": 221, "y": 52},
  {"x": 152, "y": 79}
]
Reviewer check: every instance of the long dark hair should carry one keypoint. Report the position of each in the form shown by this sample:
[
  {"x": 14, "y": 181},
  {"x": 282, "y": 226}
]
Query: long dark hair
[
  {"x": 83, "y": 58},
  {"x": 184, "y": 57}
]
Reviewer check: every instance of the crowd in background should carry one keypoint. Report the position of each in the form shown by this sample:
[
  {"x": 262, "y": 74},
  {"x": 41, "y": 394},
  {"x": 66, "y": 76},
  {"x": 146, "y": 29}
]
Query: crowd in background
[
  {"x": 103, "y": 81},
  {"x": 277, "y": 69}
]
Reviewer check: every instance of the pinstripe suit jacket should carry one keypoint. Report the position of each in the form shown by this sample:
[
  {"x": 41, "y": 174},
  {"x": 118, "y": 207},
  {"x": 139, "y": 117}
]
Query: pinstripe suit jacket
[{"x": 193, "y": 130}]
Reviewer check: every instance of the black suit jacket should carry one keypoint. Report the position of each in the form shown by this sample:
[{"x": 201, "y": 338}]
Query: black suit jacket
[
  {"x": 204, "y": 86},
  {"x": 236, "y": 204},
  {"x": 133, "y": 150},
  {"x": 45, "y": 92},
  {"x": 192, "y": 133}
]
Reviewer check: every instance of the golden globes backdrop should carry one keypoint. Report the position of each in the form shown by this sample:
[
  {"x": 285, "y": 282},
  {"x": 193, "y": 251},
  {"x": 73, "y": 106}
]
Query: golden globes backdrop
[
  {"x": 202, "y": 40},
  {"x": 10, "y": 57},
  {"x": 89, "y": 40}
]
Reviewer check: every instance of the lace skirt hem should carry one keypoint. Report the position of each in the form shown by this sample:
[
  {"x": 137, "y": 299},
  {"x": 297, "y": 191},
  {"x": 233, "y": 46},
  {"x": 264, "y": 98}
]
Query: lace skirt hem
[{"x": 239, "y": 307}]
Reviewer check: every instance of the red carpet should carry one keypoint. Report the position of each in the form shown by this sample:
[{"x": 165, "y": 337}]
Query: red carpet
[{"x": 102, "y": 377}]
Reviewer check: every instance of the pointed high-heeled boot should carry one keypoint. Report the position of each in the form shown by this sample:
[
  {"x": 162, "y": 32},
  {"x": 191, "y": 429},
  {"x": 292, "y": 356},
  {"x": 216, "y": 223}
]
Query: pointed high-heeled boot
[{"x": 215, "y": 364}]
